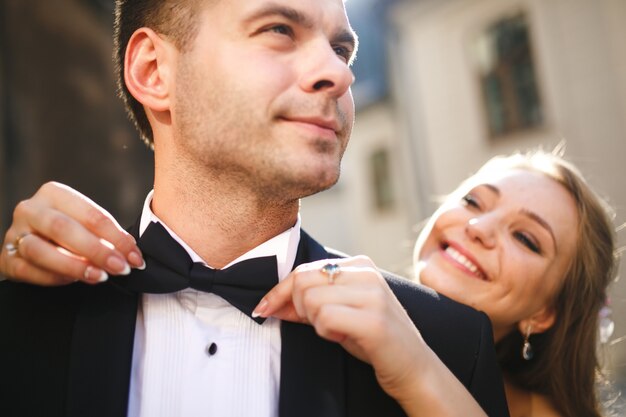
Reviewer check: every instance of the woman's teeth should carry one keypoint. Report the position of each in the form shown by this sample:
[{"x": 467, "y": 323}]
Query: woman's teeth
[{"x": 460, "y": 258}]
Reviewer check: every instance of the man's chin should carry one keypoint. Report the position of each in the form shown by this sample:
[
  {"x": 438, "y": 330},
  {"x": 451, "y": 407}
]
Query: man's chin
[
  {"x": 305, "y": 187},
  {"x": 325, "y": 182},
  {"x": 316, "y": 190}
]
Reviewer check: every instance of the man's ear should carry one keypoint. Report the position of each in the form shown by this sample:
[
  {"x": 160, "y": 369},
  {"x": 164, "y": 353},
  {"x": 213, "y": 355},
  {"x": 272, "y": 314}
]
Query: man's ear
[
  {"x": 539, "y": 322},
  {"x": 148, "y": 69}
]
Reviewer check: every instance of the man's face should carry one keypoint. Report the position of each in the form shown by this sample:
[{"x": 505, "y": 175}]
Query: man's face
[{"x": 263, "y": 95}]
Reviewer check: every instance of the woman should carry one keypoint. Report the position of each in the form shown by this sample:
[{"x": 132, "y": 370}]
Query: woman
[
  {"x": 528, "y": 242},
  {"x": 525, "y": 240}
]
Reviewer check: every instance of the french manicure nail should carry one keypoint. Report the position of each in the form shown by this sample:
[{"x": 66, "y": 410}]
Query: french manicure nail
[
  {"x": 95, "y": 274},
  {"x": 136, "y": 260},
  {"x": 118, "y": 265},
  {"x": 103, "y": 276},
  {"x": 260, "y": 309}
]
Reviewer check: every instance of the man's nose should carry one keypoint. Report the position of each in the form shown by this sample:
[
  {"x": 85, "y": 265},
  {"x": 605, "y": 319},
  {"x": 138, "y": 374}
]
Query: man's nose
[
  {"x": 482, "y": 230},
  {"x": 325, "y": 71}
]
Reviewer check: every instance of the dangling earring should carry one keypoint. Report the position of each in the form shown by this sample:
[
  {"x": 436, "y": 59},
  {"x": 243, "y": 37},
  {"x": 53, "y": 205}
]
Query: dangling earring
[
  {"x": 606, "y": 325},
  {"x": 527, "y": 349}
]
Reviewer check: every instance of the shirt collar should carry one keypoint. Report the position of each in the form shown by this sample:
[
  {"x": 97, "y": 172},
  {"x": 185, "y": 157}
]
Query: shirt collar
[{"x": 284, "y": 246}]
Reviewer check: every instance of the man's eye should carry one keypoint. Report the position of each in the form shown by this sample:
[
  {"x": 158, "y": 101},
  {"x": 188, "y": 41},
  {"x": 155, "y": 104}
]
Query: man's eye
[
  {"x": 527, "y": 241},
  {"x": 343, "y": 52},
  {"x": 469, "y": 200},
  {"x": 281, "y": 30}
]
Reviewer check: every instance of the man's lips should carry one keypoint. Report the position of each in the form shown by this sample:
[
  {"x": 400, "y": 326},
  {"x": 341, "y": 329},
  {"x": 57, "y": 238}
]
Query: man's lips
[
  {"x": 316, "y": 122},
  {"x": 463, "y": 260}
]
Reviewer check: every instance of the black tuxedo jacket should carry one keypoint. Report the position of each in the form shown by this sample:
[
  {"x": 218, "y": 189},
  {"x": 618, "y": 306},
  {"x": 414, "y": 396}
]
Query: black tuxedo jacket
[{"x": 67, "y": 351}]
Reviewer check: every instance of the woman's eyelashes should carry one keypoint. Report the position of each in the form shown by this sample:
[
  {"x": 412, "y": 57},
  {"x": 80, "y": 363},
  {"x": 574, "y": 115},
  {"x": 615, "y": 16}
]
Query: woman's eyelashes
[
  {"x": 470, "y": 201},
  {"x": 527, "y": 241}
]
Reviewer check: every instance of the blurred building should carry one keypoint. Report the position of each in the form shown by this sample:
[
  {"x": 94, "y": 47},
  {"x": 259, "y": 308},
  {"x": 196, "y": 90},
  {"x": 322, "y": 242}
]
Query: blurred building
[
  {"x": 59, "y": 116},
  {"x": 468, "y": 79}
]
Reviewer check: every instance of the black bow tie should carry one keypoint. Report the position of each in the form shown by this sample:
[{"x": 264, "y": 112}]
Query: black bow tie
[{"x": 169, "y": 269}]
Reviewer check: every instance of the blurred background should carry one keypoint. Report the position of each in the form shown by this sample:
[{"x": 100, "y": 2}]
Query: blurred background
[{"x": 442, "y": 85}]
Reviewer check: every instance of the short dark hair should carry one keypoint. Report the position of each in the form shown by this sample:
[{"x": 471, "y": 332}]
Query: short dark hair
[{"x": 176, "y": 19}]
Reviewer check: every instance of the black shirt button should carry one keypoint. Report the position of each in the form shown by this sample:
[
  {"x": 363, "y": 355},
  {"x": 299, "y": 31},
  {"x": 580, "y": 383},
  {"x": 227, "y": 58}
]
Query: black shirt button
[{"x": 211, "y": 349}]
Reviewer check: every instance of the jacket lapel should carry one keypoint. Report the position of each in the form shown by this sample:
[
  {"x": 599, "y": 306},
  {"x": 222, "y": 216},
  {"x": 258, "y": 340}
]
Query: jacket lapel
[
  {"x": 312, "y": 369},
  {"x": 101, "y": 352}
]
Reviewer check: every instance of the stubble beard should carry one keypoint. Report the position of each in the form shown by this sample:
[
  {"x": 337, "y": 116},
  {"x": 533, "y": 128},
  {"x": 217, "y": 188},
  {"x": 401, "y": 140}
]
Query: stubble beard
[{"x": 223, "y": 141}]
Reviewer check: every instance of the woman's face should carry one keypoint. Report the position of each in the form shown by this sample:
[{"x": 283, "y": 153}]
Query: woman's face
[{"x": 502, "y": 248}]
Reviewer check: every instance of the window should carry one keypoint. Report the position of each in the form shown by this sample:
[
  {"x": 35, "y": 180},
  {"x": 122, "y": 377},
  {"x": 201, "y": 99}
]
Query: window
[
  {"x": 507, "y": 77},
  {"x": 381, "y": 180}
]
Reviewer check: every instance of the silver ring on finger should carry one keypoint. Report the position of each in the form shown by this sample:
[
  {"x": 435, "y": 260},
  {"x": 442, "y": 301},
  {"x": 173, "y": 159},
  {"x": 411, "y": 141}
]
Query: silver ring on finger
[
  {"x": 331, "y": 271},
  {"x": 13, "y": 248}
]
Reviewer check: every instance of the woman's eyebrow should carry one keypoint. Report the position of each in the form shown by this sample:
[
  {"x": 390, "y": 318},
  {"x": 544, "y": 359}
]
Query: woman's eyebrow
[
  {"x": 542, "y": 222},
  {"x": 490, "y": 187}
]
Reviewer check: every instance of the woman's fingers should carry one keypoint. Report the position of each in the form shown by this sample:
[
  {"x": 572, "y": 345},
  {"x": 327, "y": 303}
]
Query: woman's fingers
[
  {"x": 93, "y": 219},
  {"x": 22, "y": 270},
  {"x": 63, "y": 236},
  {"x": 71, "y": 235},
  {"x": 307, "y": 296},
  {"x": 45, "y": 256},
  {"x": 286, "y": 300},
  {"x": 278, "y": 302}
]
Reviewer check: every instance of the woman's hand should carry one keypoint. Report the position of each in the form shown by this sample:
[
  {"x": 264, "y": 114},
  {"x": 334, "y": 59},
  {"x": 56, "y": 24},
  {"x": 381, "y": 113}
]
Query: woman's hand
[
  {"x": 59, "y": 236},
  {"x": 357, "y": 309}
]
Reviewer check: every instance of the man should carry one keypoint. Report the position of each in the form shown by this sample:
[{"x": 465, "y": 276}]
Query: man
[{"x": 248, "y": 107}]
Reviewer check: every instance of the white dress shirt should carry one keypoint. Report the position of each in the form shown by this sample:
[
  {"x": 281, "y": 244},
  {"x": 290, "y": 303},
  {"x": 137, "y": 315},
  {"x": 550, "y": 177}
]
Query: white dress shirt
[{"x": 196, "y": 355}]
